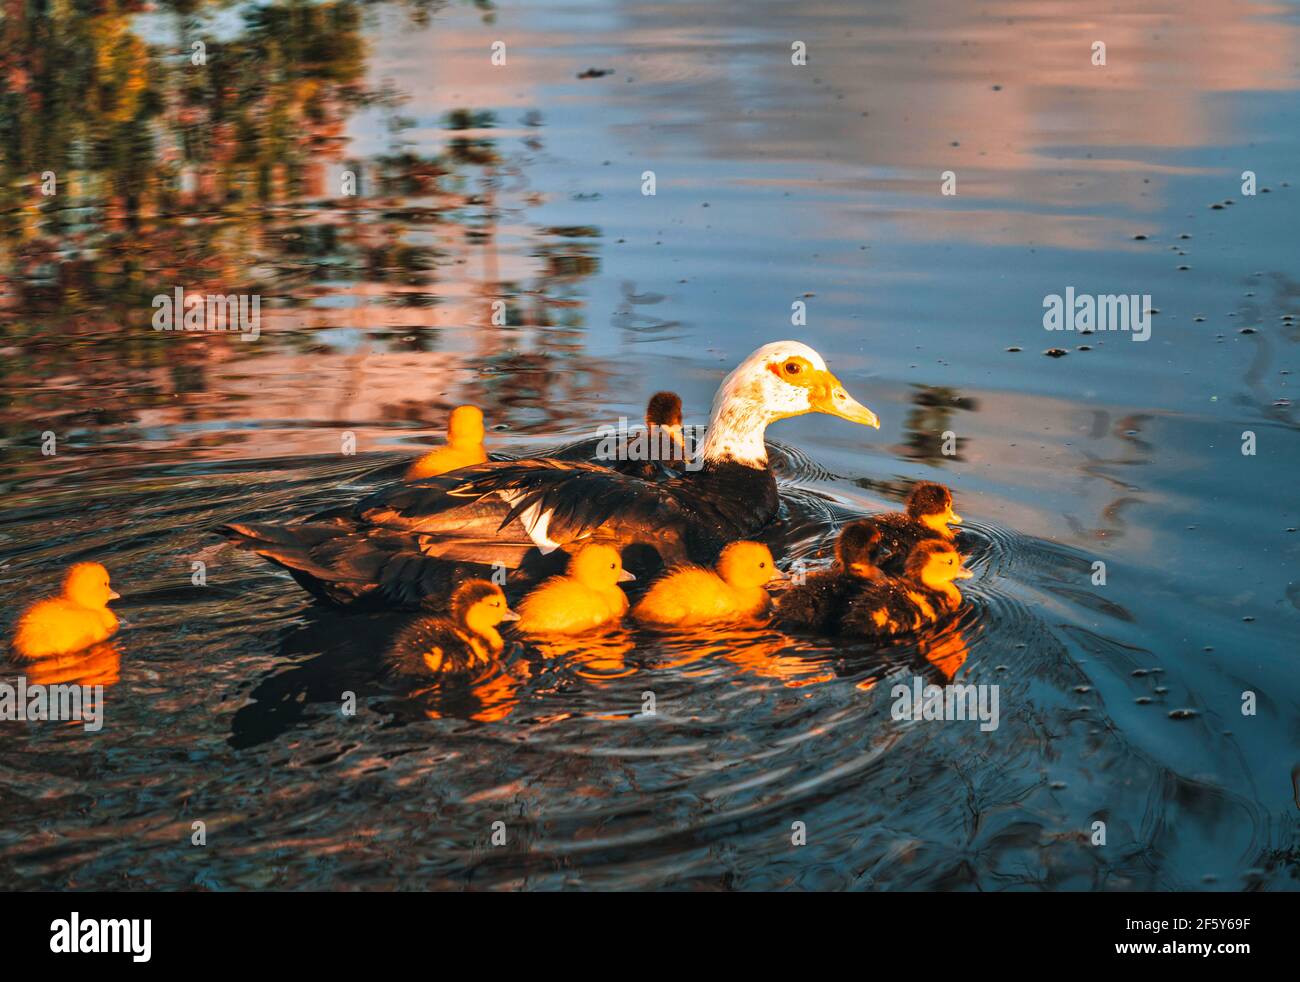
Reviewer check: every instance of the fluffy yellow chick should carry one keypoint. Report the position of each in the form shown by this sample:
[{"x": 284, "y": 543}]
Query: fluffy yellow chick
[
  {"x": 585, "y": 597},
  {"x": 691, "y": 595},
  {"x": 76, "y": 619},
  {"x": 464, "y": 446}
]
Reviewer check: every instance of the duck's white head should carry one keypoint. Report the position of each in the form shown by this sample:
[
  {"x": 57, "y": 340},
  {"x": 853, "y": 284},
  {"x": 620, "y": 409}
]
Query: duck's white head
[{"x": 779, "y": 380}]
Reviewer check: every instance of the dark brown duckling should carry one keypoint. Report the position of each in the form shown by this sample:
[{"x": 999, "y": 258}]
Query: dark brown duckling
[
  {"x": 466, "y": 639},
  {"x": 820, "y": 601},
  {"x": 660, "y": 451},
  {"x": 926, "y": 592},
  {"x": 927, "y": 516},
  {"x": 655, "y": 453}
]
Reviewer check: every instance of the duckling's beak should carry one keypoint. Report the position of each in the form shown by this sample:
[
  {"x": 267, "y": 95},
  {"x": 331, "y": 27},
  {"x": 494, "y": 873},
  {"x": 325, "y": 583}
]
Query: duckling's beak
[
  {"x": 829, "y": 396},
  {"x": 953, "y": 518},
  {"x": 964, "y": 573},
  {"x": 114, "y": 595},
  {"x": 779, "y": 575},
  {"x": 510, "y": 615},
  {"x": 625, "y": 577}
]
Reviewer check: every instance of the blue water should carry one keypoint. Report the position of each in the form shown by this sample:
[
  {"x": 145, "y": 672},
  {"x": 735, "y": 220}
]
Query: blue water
[{"x": 775, "y": 183}]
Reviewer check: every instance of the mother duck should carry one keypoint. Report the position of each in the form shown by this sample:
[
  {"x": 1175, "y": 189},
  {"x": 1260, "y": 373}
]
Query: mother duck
[{"x": 494, "y": 514}]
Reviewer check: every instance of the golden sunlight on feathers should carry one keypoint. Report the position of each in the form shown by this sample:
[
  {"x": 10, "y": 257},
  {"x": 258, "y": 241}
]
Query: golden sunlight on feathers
[
  {"x": 464, "y": 446},
  {"x": 76, "y": 619},
  {"x": 586, "y": 597},
  {"x": 693, "y": 595}
]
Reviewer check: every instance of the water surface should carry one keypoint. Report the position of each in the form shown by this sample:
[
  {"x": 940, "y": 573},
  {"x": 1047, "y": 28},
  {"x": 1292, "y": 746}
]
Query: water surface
[{"x": 775, "y": 183}]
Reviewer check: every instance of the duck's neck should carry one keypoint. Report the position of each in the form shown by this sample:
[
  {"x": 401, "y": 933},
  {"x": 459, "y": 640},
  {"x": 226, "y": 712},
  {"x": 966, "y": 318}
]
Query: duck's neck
[{"x": 736, "y": 428}]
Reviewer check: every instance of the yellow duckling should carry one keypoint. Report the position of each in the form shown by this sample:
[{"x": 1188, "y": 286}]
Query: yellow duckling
[
  {"x": 76, "y": 619},
  {"x": 584, "y": 598},
  {"x": 464, "y": 446},
  {"x": 461, "y": 641},
  {"x": 692, "y": 595}
]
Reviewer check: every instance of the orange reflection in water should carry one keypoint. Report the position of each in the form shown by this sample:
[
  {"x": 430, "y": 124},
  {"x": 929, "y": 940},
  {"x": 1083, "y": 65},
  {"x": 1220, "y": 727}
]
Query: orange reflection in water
[
  {"x": 770, "y": 657},
  {"x": 597, "y": 656},
  {"x": 99, "y": 664},
  {"x": 496, "y": 695},
  {"x": 946, "y": 652}
]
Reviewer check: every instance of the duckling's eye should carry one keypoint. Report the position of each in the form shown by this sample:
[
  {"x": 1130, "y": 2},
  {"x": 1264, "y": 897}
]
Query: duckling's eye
[
  {"x": 762, "y": 565},
  {"x": 611, "y": 565},
  {"x": 792, "y": 368}
]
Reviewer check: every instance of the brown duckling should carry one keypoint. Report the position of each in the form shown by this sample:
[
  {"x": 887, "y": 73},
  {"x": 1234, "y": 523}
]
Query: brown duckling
[
  {"x": 462, "y": 641},
  {"x": 819, "y": 602},
  {"x": 927, "y": 516},
  {"x": 926, "y": 591}
]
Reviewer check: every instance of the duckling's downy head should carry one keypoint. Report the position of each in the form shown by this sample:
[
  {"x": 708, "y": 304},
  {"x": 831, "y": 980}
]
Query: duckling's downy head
[
  {"x": 598, "y": 566},
  {"x": 747, "y": 564},
  {"x": 936, "y": 563},
  {"x": 465, "y": 425},
  {"x": 779, "y": 380},
  {"x": 856, "y": 548},
  {"x": 480, "y": 606},
  {"x": 87, "y": 584},
  {"x": 664, "y": 409},
  {"x": 931, "y": 504}
]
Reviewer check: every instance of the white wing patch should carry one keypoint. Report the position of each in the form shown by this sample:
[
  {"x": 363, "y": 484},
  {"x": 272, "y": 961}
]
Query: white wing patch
[{"x": 535, "y": 522}]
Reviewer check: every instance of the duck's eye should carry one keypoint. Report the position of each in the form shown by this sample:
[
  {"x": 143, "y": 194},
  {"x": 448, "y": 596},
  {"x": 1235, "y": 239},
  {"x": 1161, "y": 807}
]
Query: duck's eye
[
  {"x": 611, "y": 565},
  {"x": 762, "y": 565},
  {"x": 792, "y": 368}
]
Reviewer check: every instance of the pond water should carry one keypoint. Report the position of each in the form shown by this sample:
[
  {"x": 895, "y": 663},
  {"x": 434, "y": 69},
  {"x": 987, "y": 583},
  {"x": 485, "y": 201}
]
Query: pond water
[{"x": 775, "y": 183}]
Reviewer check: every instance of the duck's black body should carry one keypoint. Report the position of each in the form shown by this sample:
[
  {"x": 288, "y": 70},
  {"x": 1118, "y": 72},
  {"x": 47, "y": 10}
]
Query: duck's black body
[
  {"x": 588, "y": 451},
  {"x": 361, "y": 568},
  {"x": 409, "y": 545},
  {"x": 464, "y": 515}
]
